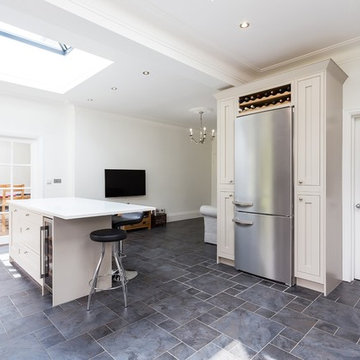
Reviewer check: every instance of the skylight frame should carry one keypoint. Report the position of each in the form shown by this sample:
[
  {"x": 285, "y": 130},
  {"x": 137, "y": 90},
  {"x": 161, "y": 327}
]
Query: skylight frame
[{"x": 61, "y": 50}]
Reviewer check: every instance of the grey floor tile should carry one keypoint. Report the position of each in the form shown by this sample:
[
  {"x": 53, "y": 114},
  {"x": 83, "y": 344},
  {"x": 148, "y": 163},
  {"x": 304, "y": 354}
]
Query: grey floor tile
[
  {"x": 81, "y": 347},
  {"x": 76, "y": 322},
  {"x": 224, "y": 268},
  {"x": 128, "y": 342},
  {"x": 45, "y": 332},
  {"x": 251, "y": 329},
  {"x": 225, "y": 301},
  {"x": 211, "y": 350},
  {"x": 217, "y": 312},
  {"x": 337, "y": 314},
  {"x": 324, "y": 326},
  {"x": 9, "y": 312},
  {"x": 295, "y": 320},
  {"x": 206, "y": 318},
  {"x": 182, "y": 307},
  {"x": 319, "y": 345},
  {"x": 21, "y": 348},
  {"x": 198, "y": 269},
  {"x": 52, "y": 340},
  {"x": 26, "y": 325},
  {"x": 203, "y": 295},
  {"x": 117, "y": 324},
  {"x": 232, "y": 291},
  {"x": 265, "y": 312},
  {"x": 303, "y": 292},
  {"x": 134, "y": 312},
  {"x": 189, "y": 259},
  {"x": 100, "y": 332},
  {"x": 280, "y": 287},
  {"x": 166, "y": 356},
  {"x": 250, "y": 306},
  {"x": 103, "y": 356},
  {"x": 292, "y": 334},
  {"x": 345, "y": 293},
  {"x": 210, "y": 284},
  {"x": 196, "y": 334},
  {"x": 348, "y": 335},
  {"x": 284, "y": 343},
  {"x": 169, "y": 325},
  {"x": 246, "y": 279},
  {"x": 157, "y": 318},
  {"x": 182, "y": 351},
  {"x": 192, "y": 291},
  {"x": 272, "y": 352},
  {"x": 266, "y": 297}
]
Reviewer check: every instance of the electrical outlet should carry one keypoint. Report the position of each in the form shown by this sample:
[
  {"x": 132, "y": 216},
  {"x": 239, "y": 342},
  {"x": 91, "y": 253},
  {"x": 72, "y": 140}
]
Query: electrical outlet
[{"x": 57, "y": 181}]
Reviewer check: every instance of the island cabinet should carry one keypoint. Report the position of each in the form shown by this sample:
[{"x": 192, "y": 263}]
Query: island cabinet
[
  {"x": 49, "y": 240},
  {"x": 315, "y": 92}
]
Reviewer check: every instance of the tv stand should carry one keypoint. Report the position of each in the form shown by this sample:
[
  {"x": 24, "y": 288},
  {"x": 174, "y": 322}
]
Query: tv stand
[{"x": 145, "y": 223}]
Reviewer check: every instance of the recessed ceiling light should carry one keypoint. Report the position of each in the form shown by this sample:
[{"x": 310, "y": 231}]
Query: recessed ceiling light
[
  {"x": 114, "y": 88},
  {"x": 90, "y": 99},
  {"x": 146, "y": 72},
  {"x": 244, "y": 25}
]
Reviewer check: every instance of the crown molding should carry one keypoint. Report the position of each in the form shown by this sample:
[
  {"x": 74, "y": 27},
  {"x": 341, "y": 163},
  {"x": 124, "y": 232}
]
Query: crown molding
[{"x": 110, "y": 16}]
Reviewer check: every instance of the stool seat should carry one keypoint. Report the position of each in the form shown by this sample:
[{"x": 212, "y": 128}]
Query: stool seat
[
  {"x": 127, "y": 219},
  {"x": 108, "y": 235}
]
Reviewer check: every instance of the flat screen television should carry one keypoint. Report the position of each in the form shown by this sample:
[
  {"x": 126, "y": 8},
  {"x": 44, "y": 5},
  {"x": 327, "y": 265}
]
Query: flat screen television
[{"x": 121, "y": 182}]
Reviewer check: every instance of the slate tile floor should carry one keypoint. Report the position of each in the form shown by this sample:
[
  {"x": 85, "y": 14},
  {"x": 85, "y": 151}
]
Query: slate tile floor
[{"x": 182, "y": 306}]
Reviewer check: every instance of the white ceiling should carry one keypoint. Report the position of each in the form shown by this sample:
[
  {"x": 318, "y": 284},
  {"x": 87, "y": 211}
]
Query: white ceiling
[{"x": 192, "y": 48}]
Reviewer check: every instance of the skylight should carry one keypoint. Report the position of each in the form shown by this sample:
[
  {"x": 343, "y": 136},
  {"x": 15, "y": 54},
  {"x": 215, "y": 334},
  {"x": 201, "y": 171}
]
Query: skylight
[{"x": 31, "y": 60}]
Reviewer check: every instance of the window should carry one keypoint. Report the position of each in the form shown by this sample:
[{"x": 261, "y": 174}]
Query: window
[
  {"x": 15, "y": 176},
  {"x": 32, "y": 60}
]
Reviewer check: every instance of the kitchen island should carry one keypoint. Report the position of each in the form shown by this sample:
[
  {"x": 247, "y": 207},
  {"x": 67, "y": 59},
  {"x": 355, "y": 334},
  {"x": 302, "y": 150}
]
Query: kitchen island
[{"x": 49, "y": 239}]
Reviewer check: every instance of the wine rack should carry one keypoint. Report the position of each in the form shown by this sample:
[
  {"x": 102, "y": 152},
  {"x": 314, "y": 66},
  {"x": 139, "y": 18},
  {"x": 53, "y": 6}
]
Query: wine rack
[{"x": 262, "y": 100}]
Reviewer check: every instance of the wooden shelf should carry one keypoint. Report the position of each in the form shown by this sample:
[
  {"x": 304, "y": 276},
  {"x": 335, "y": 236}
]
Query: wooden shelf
[
  {"x": 265, "y": 99},
  {"x": 265, "y": 108}
]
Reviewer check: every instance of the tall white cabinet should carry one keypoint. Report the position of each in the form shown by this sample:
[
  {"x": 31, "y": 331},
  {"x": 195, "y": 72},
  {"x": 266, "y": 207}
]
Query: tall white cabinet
[{"x": 316, "y": 94}]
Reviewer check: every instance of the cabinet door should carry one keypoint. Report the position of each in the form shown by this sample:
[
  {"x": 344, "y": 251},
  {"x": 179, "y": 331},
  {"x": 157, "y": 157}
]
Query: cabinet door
[
  {"x": 225, "y": 239},
  {"x": 226, "y": 123},
  {"x": 308, "y": 128},
  {"x": 308, "y": 260}
]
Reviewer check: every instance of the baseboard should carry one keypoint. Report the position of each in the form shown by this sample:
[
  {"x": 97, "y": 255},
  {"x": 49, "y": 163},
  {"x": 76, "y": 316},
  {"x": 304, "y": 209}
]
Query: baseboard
[{"x": 185, "y": 215}]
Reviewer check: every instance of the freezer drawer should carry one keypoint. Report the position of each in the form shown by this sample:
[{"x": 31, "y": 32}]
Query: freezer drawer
[
  {"x": 264, "y": 246},
  {"x": 263, "y": 162}
]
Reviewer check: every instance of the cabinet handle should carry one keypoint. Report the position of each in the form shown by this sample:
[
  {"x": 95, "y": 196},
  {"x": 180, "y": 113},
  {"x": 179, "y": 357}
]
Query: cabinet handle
[
  {"x": 25, "y": 252},
  {"x": 243, "y": 204},
  {"x": 230, "y": 181},
  {"x": 301, "y": 199},
  {"x": 15, "y": 210},
  {"x": 230, "y": 195},
  {"x": 27, "y": 214},
  {"x": 27, "y": 229},
  {"x": 242, "y": 222},
  {"x": 300, "y": 181}
]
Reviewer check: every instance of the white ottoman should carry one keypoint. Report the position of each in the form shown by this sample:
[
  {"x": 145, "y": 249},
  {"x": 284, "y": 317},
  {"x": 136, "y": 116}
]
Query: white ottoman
[{"x": 210, "y": 219}]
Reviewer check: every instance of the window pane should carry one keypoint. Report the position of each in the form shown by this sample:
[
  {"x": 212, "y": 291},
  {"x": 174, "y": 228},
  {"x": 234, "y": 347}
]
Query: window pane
[
  {"x": 22, "y": 153},
  {"x": 4, "y": 175},
  {"x": 5, "y": 151},
  {"x": 4, "y": 224},
  {"x": 22, "y": 175}
]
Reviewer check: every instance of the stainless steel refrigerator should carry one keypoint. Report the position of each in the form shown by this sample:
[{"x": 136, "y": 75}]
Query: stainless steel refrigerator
[{"x": 263, "y": 202}]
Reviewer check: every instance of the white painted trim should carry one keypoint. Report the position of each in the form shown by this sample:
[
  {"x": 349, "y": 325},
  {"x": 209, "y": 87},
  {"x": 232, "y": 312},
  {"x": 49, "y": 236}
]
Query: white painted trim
[
  {"x": 348, "y": 194},
  {"x": 185, "y": 215}
]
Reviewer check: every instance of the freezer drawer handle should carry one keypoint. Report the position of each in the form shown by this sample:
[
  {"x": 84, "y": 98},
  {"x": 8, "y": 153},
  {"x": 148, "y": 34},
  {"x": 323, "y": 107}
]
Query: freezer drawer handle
[
  {"x": 242, "y": 222},
  {"x": 243, "y": 204}
]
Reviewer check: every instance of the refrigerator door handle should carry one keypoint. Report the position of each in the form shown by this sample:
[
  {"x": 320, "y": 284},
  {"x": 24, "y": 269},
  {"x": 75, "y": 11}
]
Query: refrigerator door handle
[
  {"x": 242, "y": 222},
  {"x": 243, "y": 204}
]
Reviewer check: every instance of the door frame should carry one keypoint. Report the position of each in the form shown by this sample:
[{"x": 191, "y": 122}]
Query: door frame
[{"x": 348, "y": 189}]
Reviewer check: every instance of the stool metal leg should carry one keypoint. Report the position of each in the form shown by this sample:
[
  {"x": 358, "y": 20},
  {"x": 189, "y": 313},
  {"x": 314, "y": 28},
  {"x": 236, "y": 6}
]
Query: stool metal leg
[
  {"x": 117, "y": 257},
  {"x": 95, "y": 277}
]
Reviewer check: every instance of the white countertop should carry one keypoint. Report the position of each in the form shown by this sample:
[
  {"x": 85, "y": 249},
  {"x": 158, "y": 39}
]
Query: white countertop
[{"x": 76, "y": 208}]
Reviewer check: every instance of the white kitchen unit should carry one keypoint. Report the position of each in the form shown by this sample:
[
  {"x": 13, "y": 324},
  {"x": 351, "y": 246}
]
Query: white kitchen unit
[
  {"x": 49, "y": 239},
  {"x": 315, "y": 91}
]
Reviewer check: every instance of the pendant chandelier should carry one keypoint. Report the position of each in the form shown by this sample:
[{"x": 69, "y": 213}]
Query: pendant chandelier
[{"x": 202, "y": 130}]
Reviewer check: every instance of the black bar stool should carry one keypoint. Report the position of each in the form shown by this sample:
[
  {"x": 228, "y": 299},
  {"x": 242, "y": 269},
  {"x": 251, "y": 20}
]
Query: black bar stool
[
  {"x": 116, "y": 236},
  {"x": 118, "y": 221}
]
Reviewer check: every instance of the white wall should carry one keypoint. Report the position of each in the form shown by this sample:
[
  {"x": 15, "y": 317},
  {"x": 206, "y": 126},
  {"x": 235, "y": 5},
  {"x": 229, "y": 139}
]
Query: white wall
[
  {"x": 178, "y": 172},
  {"x": 49, "y": 125}
]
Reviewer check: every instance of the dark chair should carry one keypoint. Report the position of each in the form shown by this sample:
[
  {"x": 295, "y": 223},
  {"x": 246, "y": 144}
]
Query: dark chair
[
  {"x": 116, "y": 236},
  {"x": 118, "y": 221}
]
